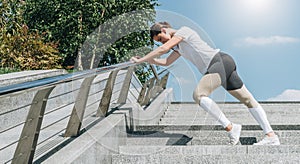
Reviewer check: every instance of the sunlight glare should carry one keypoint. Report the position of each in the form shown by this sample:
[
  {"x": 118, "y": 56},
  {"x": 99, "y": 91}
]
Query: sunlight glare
[{"x": 257, "y": 5}]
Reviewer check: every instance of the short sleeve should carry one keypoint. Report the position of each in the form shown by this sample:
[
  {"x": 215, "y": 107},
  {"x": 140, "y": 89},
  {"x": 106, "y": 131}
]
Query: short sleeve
[{"x": 183, "y": 32}]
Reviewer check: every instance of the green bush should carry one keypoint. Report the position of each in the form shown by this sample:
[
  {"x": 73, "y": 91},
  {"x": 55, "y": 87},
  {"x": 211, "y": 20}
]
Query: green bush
[
  {"x": 20, "y": 48},
  {"x": 28, "y": 51},
  {"x": 8, "y": 70}
]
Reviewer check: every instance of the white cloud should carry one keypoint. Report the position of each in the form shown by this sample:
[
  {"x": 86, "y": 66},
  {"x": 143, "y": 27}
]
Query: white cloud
[
  {"x": 261, "y": 41},
  {"x": 287, "y": 95}
]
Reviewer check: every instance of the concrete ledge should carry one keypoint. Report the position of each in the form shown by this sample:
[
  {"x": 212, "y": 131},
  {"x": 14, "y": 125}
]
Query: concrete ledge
[
  {"x": 25, "y": 76},
  {"x": 96, "y": 145}
]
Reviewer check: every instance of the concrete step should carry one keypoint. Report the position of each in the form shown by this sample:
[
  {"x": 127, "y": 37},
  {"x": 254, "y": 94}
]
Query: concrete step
[
  {"x": 212, "y": 127},
  {"x": 210, "y": 149},
  {"x": 192, "y": 114},
  {"x": 204, "y": 133},
  {"x": 285, "y": 121},
  {"x": 185, "y": 140},
  {"x": 207, "y": 159},
  {"x": 271, "y": 106},
  {"x": 243, "y": 141},
  {"x": 205, "y": 138},
  {"x": 273, "y": 119},
  {"x": 207, "y": 154},
  {"x": 200, "y": 112},
  {"x": 244, "y": 133},
  {"x": 187, "y": 134}
]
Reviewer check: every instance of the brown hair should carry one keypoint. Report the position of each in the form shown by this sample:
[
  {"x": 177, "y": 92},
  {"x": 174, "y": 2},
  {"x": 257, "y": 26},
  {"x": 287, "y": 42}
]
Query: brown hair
[{"x": 156, "y": 28}]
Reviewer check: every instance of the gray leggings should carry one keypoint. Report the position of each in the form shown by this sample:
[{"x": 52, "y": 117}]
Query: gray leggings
[
  {"x": 225, "y": 66},
  {"x": 222, "y": 71}
]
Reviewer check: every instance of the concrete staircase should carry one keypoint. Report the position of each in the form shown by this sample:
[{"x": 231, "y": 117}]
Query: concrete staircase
[{"x": 187, "y": 134}]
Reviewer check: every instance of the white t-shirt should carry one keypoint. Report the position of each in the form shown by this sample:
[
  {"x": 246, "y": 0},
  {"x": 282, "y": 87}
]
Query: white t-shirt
[{"x": 193, "y": 48}]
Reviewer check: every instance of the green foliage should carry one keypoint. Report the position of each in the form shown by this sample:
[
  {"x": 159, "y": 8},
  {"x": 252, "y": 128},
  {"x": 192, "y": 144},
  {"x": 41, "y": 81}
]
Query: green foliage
[
  {"x": 28, "y": 51},
  {"x": 8, "y": 70},
  {"x": 81, "y": 27},
  {"x": 92, "y": 33},
  {"x": 20, "y": 48}
]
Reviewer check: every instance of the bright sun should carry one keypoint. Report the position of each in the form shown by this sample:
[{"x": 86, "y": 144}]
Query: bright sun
[
  {"x": 256, "y": 12},
  {"x": 256, "y": 5}
]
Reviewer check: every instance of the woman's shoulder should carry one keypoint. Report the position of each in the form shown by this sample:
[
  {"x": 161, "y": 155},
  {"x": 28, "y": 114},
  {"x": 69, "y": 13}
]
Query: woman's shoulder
[{"x": 184, "y": 30}]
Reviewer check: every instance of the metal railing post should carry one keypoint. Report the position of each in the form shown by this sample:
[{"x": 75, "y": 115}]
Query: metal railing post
[
  {"x": 75, "y": 121},
  {"x": 148, "y": 94},
  {"x": 126, "y": 85},
  {"x": 164, "y": 80},
  {"x": 154, "y": 72},
  {"x": 152, "y": 87},
  {"x": 106, "y": 97},
  {"x": 142, "y": 93},
  {"x": 28, "y": 140}
]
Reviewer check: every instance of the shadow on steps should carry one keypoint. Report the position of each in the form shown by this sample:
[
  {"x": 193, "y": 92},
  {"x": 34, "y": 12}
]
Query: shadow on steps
[{"x": 174, "y": 138}]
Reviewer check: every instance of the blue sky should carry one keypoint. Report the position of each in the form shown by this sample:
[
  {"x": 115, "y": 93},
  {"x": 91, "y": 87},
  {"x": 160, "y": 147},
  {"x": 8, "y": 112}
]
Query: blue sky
[{"x": 262, "y": 36}]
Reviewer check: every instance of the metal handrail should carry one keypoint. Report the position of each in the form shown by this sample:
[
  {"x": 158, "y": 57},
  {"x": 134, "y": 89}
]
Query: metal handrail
[{"x": 62, "y": 78}]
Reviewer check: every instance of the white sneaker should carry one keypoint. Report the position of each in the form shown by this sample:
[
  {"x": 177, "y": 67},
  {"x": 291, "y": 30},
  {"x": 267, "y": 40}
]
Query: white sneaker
[
  {"x": 269, "y": 141},
  {"x": 234, "y": 134}
]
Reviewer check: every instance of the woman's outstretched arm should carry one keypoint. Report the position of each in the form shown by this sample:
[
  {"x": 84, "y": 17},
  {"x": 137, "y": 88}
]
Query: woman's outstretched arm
[
  {"x": 166, "y": 61},
  {"x": 158, "y": 51}
]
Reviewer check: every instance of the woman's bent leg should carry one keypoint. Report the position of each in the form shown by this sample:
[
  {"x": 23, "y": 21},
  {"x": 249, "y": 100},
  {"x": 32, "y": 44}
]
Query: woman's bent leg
[{"x": 206, "y": 86}]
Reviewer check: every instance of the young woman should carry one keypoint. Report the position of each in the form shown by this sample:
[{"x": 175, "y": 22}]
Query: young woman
[{"x": 218, "y": 69}]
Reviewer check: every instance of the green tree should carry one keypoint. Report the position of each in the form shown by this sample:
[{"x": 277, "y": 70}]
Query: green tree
[{"x": 73, "y": 22}]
